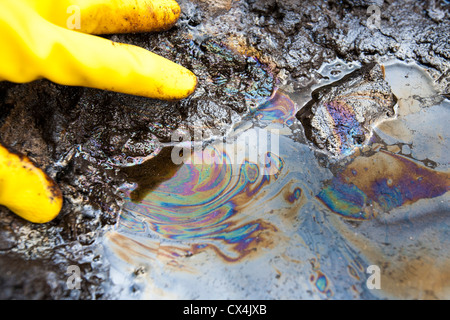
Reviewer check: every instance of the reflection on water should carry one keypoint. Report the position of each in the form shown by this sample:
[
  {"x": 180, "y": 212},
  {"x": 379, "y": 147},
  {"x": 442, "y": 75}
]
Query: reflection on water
[{"x": 289, "y": 223}]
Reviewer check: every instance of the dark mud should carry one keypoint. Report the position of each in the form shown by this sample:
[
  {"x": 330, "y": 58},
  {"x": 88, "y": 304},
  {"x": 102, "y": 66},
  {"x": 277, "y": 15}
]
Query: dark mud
[{"x": 239, "y": 51}]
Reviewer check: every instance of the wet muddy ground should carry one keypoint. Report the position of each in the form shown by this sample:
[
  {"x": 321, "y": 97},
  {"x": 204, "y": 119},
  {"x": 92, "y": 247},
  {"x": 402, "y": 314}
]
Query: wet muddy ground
[{"x": 92, "y": 142}]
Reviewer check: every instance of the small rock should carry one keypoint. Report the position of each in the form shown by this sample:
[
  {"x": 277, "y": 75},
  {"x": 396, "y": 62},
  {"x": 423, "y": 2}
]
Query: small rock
[{"x": 340, "y": 115}]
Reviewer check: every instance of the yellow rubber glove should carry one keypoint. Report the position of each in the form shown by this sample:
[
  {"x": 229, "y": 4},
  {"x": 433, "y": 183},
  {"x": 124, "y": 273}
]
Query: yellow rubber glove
[
  {"x": 27, "y": 190},
  {"x": 51, "y": 39}
]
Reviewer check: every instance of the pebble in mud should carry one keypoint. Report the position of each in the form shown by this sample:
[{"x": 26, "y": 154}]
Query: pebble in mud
[{"x": 340, "y": 115}]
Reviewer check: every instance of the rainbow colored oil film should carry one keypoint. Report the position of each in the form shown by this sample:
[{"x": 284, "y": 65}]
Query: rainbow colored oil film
[{"x": 263, "y": 214}]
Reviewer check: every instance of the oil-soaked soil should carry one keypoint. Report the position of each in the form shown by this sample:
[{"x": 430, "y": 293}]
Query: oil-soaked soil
[{"x": 239, "y": 51}]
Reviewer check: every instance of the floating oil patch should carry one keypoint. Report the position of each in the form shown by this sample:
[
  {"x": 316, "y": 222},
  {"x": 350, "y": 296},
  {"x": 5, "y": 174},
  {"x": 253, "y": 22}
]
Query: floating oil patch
[
  {"x": 276, "y": 114},
  {"x": 200, "y": 200},
  {"x": 341, "y": 115},
  {"x": 231, "y": 227},
  {"x": 409, "y": 246},
  {"x": 212, "y": 213},
  {"x": 278, "y": 109},
  {"x": 420, "y": 128},
  {"x": 198, "y": 203},
  {"x": 381, "y": 182},
  {"x": 319, "y": 279}
]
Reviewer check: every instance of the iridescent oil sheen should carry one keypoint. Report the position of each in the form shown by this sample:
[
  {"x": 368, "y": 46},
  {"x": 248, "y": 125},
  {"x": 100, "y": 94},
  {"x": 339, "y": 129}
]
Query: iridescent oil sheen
[
  {"x": 200, "y": 203},
  {"x": 292, "y": 223},
  {"x": 380, "y": 183},
  {"x": 278, "y": 109}
]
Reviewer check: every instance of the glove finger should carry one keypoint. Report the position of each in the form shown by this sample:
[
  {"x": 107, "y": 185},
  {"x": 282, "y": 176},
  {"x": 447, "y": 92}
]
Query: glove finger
[
  {"x": 111, "y": 16},
  {"x": 73, "y": 58},
  {"x": 26, "y": 189},
  {"x": 117, "y": 67}
]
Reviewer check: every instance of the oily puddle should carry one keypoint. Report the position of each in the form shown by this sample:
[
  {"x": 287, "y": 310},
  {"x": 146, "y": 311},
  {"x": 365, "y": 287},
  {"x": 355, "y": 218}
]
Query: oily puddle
[{"x": 263, "y": 214}]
